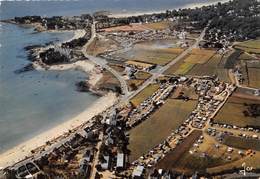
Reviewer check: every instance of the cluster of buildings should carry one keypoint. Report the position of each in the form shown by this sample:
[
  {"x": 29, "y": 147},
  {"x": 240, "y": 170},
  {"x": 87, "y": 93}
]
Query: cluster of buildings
[
  {"x": 56, "y": 22},
  {"x": 127, "y": 39},
  {"x": 212, "y": 96},
  {"x": 68, "y": 156},
  {"x": 220, "y": 135}
]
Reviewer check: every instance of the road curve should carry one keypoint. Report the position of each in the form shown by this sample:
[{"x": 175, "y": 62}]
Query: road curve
[{"x": 102, "y": 62}]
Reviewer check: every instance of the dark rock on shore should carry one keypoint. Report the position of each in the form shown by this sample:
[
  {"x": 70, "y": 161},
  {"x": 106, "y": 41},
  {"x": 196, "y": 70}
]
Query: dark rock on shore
[
  {"x": 75, "y": 43},
  {"x": 51, "y": 56},
  {"x": 28, "y": 67},
  {"x": 31, "y": 47},
  {"x": 83, "y": 86}
]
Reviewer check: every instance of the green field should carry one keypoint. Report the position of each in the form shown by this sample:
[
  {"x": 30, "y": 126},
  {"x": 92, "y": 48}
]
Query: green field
[
  {"x": 144, "y": 94},
  {"x": 159, "y": 126},
  {"x": 232, "y": 113}
]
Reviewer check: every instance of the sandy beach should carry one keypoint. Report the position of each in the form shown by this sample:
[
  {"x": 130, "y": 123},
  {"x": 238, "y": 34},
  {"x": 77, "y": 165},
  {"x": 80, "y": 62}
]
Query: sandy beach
[{"x": 24, "y": 149}]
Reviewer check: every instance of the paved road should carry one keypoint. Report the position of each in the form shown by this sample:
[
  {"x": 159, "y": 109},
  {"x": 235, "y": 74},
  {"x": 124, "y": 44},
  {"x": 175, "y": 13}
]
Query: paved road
[
  {"x": 127, "y": 95},
  {"x": 166, "y": 67},
  {"x": 95, "y": 160},
  {"x": 102, "y": 62}
]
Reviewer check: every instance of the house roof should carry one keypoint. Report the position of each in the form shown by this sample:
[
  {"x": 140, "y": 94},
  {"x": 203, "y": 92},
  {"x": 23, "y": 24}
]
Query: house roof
[
  {"x": 106, "y": 163},
  {"x": 138, "y": 171},
  {"x": 120, "y": 160}
]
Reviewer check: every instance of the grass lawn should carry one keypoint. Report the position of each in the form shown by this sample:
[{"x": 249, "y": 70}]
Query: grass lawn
[
  {"x": 144, "y": 94},
  {"x": 159, "y": 126},
  {"x": 232, "y": 113}
]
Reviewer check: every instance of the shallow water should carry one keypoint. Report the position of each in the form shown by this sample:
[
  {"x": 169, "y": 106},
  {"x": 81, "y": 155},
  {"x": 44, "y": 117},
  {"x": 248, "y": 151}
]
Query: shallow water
[{"x": 33, "y": 101}]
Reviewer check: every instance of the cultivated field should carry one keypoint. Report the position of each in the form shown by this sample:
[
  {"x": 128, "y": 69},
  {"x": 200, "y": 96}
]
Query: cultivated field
[
  {"x": 141, "y": 76},
  {"x": 250, "y": 160},
  {"x": 184, "y": 68},
  {"x": 242, "y": 143},
  {"x": 144, "y": 94},
  {"x": 199, "y": 56},
  {"x": 196, "y": 63},
  {"x": 140, "y": 27},
  {"x": 185, "y": 91},
  {"x": 118, "y": 68},
  {"x": 207, "y": 155},
  {"x": 159, "y": 126},
  {"x": 251, "y": 46},
  {"x": 159, "y": 57},
  {"x": 158, "y": 52},
  {"x": 232, "y": 113},
  {"x": 209, "y": 68},
  {"x": 101, "y": 45},
  {"x": 254, "y": 77},
  {"x": 172, "y": 159},
  {"x": 250, "y": 69}
]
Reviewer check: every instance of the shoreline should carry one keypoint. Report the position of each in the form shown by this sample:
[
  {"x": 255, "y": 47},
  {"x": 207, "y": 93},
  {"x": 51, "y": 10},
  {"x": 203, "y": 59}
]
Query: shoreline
[
  {"x": 139, "y": 13},
  {"x": 23, "y": 150}
]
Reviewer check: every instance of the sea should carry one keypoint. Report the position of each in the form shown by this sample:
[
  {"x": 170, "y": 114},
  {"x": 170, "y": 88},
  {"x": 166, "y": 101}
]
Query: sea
[{"x": 34, "y": 101}]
